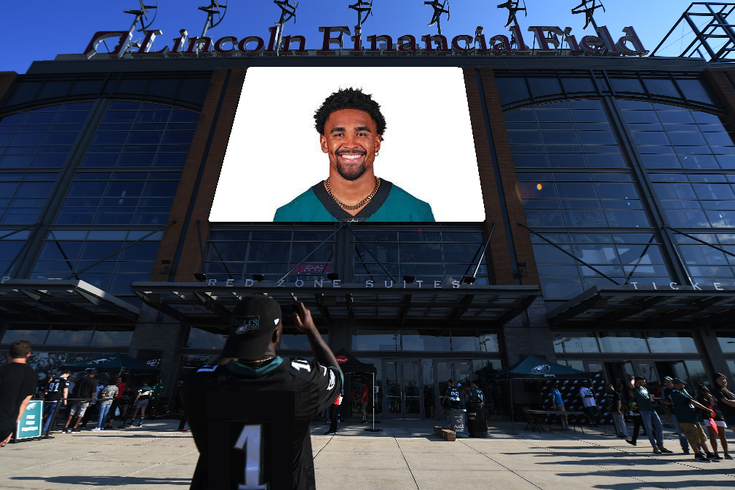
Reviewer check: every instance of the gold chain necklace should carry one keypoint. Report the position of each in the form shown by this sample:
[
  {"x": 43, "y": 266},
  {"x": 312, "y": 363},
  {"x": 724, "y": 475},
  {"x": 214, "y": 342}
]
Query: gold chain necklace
[
  {"x": 360, "y": 204},
  {"x": 259, "y": 361}
]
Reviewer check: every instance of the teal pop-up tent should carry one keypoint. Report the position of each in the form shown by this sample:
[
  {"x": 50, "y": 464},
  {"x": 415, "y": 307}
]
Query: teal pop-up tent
[
  {"x": 113, "y": 363},
  {"x": 535, "y": 368}
]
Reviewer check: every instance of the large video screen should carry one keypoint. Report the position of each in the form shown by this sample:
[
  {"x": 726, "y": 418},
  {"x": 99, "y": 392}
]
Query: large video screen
[{"x": 422, "y": 167}]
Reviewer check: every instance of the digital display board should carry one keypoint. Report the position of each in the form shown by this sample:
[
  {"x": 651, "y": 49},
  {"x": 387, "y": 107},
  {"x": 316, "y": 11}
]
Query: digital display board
[{"x": 425, "y": 159}]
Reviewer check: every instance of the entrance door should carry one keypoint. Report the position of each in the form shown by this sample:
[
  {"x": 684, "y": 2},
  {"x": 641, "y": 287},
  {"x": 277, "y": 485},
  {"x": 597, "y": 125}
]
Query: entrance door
[{"x": 402, "y": 389}]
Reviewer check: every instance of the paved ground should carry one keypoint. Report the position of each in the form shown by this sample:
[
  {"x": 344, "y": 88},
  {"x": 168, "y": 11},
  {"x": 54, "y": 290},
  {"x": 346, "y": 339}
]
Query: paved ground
[{"x": 405, "y": 455}]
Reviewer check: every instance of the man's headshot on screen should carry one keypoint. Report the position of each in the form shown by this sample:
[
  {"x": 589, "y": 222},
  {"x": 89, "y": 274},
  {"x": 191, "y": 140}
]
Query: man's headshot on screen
[{"x": 351, "y": 127}]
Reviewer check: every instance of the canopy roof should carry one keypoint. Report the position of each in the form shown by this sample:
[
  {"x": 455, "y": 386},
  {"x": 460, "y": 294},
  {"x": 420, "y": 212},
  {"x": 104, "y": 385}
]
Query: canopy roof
[
  {"x": 111, "y": 363},
  {"x": 536, "y": 368},
  {"x": 350, "y": 364}
]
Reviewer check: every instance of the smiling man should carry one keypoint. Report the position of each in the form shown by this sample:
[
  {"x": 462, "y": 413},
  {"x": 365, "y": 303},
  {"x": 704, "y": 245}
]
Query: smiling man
[{"x": 351, "y": 128}]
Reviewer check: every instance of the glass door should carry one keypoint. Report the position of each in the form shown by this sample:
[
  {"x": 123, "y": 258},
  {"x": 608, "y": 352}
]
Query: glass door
[{"x": 402, "y": 392}]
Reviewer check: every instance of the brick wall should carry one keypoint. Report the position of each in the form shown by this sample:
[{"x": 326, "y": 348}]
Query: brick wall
[
  {"x": 208, "y": 130},
  {"x": 724, "y": 84},
  {"x": 6, "y": 80},
  {"x": 500, "y": 256}
]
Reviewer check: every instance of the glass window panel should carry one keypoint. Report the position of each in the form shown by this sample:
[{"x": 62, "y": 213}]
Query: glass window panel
[
  {"x": 575, "y": 343},
  {"x": 377, "y": 340},
  {"x": 544, "y": 86},
  {"x": 674, "y": 191},
  {"x": 69, "y": 336},
  {"x": 106, "y": 336},
  {"x": 698, "y": 161},
  {"x": 589, "y": 217},
  {"x": 727, "y": 342},
  {"x": 524, "y": 137},
  {"x": 651, "y": 138},
  {"x": 200, "y": 338},
  {"x": 623, "y": 342},
  {"x": 671, "y": 342},
  {"x": 572, "y": 85},
  {"x": 414, "y": 340},
  {"x": 512, "y": 89},
  {"x": 36, "y": 336},
  {"x": 697, "y": 374},
  {"x": 544, "y": 218},
  {"x": 660, "y": 86},
  {"x": 585, "y": 191},
  {"x": 566, "y": 160},
  {"x": 475, "y": 343},
  {"x": 675, "y": 116},
  {"x": 627, "y": 85}
]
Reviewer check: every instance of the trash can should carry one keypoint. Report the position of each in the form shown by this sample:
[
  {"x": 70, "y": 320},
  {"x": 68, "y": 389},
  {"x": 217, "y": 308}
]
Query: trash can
[
  {"x": 456, "y": 421},
  {"x": 476, "y": 424}
]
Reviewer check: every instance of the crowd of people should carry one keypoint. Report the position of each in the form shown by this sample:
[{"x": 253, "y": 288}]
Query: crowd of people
[
  {"x": 700, "y": 419},
  {"x": 74, "y": 402}
]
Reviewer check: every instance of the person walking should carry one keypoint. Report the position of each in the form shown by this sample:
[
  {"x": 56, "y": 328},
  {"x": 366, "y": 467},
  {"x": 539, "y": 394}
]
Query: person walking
[
  {"x": 18, "y": 382},
  {"x": 725, "y": 399},
  {"x": 85, "y": 388},
  {"x": 364, "y": 400},
  {"x": 334, "y": 415},
  {"x": 105, "y": 399},
  {"x": 589, "y": 402},
  {"x": 685, "y": 409},
  {"x": 559, "y": 406},
  {"x": 140, "y": 403},
  {"x": 616, "y": 409},
  {"x": 56, "y": 392},
  {"x": 716, "y": 426},
  {"x": 116, "y": 401},
  {"x": 649, "y": 417},
  {"x": 666, "y": 397}
]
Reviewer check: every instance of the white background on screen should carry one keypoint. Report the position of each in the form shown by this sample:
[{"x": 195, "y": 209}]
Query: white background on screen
[{"x": 273, "y": 153}]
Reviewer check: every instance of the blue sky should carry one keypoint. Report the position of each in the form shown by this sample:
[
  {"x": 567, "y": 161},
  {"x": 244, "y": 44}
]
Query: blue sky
[{"x": 42, "y": 29}]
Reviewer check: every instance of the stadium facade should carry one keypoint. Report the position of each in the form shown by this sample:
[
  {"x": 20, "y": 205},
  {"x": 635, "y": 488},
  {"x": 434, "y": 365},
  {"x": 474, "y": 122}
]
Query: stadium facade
[{"x": 608, "y": 185}]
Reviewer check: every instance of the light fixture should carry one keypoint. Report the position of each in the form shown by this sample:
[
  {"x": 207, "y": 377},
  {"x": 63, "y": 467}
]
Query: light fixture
[
  {"x": 409, "y": 279},
  {"x": 200, "y": 277},
  {"x": 259, "y": 277},
  {"x": 332, "y": 276}
]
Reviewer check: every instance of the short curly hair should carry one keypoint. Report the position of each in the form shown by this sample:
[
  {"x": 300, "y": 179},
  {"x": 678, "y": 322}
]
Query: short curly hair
[{"x": 349, "y": 98}]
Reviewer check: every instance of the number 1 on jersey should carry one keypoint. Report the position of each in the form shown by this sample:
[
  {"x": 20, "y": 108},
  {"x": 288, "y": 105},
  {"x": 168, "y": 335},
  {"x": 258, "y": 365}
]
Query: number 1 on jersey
[{"x": 250, "y": 441}]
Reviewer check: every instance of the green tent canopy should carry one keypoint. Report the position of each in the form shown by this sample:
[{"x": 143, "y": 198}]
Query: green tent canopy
[
  {"x": 113, "y": 362},
  {"x": 536, "y": 368}
]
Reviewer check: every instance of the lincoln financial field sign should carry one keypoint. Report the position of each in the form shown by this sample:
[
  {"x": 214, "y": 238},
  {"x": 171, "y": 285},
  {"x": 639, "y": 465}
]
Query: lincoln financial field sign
[{"x": 339, "y": 40}]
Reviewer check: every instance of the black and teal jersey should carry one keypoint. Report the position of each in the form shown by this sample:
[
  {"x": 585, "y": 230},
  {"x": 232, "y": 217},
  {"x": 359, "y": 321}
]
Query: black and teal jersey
[
  {"x": 314, "y": 386},
  {"x": 390, "y": 204},
  {"x": 477, "y": 395}
]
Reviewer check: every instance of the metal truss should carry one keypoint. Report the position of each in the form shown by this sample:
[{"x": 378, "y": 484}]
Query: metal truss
[{"x": 709, "y": 34}]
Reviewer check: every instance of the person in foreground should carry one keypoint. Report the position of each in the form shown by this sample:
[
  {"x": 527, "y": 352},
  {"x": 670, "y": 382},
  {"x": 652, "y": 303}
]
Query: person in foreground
[
  {"x": 17, "y": 385},
  {"x": 248, "y": 363},
  {"x": 351, "y": 127},
  {"x": 685, "y": 409}
]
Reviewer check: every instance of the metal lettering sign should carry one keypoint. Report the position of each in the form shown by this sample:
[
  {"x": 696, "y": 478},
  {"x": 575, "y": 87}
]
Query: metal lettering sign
[{"x": 551, "y": 40}]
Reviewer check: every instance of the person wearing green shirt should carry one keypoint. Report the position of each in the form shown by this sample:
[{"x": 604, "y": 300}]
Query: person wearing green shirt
[
  {"x": 477, "y": 395},
  {"x": 649, "y": 416},
  {"x": 351, "y": 128},
  {"x": 452, "y": 397},
  {"x": 686, "y": 414}
]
